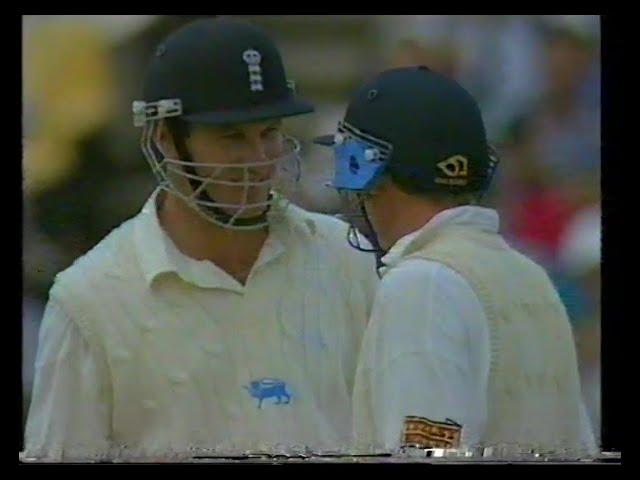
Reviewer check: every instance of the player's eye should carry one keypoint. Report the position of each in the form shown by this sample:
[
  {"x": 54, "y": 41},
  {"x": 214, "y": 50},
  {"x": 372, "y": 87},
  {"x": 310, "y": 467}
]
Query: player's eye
[
  {"x": 232, "y": 135},
  {"x": 271, "y": 131}
]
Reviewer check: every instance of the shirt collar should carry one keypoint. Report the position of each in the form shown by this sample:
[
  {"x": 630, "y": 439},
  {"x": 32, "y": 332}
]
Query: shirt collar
[
  {"x": 480, "y": 218},
  {"x": 150, "y": 242},
  {"x": 158, "y": 254}
]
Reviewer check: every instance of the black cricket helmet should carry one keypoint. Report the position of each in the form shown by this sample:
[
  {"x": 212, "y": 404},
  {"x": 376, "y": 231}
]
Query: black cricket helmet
[
  {"x": 217, "y": 72},
  {"x": 419, "y": 127}
]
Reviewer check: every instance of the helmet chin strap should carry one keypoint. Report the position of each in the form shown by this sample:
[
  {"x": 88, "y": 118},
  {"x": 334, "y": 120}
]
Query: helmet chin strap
[
  {"x": 352, "y": 238},
  {"x": 221, "y": 215}
]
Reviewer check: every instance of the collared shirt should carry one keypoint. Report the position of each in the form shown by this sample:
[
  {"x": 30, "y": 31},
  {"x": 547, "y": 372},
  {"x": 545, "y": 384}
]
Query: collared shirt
[
  {"x": 303, "y": 333},
  {"x": 426, "y": 351},
  {"x": 158, "y": 254}
]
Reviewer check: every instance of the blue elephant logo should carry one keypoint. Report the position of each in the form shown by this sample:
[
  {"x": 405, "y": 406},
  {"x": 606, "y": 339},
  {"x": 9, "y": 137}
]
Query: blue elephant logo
[{"x": 268, "y": 388}]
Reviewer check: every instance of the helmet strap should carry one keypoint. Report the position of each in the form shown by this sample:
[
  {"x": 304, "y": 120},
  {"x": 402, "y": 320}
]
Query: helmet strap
[
  {"x": 378, "y": 250},
  {"x": 353, "y": 237}
]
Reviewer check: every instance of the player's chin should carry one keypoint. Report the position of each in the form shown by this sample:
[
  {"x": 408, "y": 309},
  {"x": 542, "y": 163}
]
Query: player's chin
[
  {"x": 253, "y": 205},
  {"x": 252, "y": 208},
  {"x": 255, "y": 213},
  {"x": 245, "y": 213}
]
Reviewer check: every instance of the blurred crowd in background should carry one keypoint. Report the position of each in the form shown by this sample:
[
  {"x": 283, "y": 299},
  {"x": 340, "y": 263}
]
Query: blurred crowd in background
[{"x": 537, "y": 79}]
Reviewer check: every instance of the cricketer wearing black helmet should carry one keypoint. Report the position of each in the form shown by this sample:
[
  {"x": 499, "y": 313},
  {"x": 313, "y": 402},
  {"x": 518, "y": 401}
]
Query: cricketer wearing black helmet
[
  {"x": 468, "y": 344},
  {"x": 222, "y": 319}
]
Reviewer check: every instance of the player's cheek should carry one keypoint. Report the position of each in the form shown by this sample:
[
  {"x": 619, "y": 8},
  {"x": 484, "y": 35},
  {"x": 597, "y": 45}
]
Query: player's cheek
[{"x": 373, "y": 211}]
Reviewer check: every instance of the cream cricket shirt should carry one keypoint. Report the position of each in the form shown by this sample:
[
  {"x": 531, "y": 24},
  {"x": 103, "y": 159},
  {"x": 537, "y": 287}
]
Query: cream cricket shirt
[
  {"x": 426, "y": 351},
  {"x": 146, "y": 353}
]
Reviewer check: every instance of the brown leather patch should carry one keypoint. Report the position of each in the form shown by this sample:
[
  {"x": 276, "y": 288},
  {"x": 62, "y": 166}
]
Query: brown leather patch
[{"x": 421, "y": 432}]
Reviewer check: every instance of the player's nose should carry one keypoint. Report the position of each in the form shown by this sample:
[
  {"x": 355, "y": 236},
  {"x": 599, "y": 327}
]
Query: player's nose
[
  {"x": 256, "y": 151},
  {"x": 258, "y": 160}
]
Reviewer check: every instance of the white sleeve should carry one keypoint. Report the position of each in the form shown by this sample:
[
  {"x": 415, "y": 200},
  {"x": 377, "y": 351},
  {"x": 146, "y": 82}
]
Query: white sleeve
[
  {"x": 69, "y": 416},
  {"x": 428, "y": 354}
]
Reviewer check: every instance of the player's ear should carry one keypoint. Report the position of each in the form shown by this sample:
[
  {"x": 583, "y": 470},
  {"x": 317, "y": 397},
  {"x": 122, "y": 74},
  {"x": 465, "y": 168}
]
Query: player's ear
[{"x": 164, "y": 140}]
